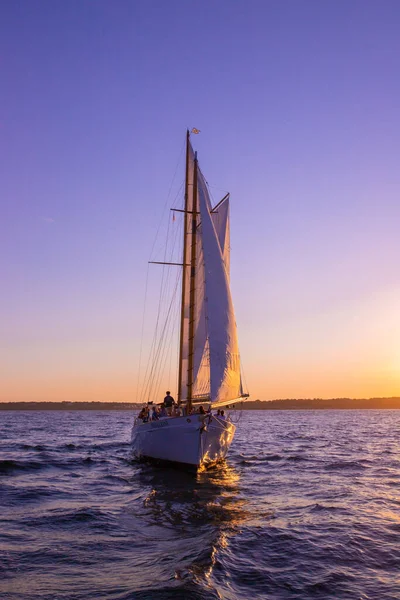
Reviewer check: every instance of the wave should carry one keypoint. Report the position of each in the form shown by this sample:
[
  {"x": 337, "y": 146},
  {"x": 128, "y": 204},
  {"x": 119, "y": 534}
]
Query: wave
[
  {"x": 7, "y": 467},
  {"x": 64, "y": 517},
  {"x": 296, "y": 458},
  {"x": 37, "y": 447},
  {"x": 51, "y": 461},
  {"x": 344, "y": 465},
  {"x": 325, "y": 508},
  {"x": 260, "y": 458}
]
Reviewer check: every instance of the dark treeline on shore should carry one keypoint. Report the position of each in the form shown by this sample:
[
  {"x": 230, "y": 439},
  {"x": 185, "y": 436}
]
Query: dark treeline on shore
[
  {"x": 288, "y": 404},
  {"x": 69, "y": 406},
  {"x": 320, "y": 404}
]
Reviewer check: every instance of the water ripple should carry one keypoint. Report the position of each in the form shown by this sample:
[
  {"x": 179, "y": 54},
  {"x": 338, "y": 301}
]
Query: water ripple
[{"x": 306, "y": 507}]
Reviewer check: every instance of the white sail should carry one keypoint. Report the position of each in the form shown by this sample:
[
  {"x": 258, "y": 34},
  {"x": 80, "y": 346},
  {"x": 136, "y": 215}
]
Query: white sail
[
  {"x": 216, "y": 363},
  {"x": 201, "y": 362},
  {"x": 201, "y": 370},
  {"x": 220, "y": 217},
  {"x": 224, "y": 362},
  {"x": 201, "y": 366}
]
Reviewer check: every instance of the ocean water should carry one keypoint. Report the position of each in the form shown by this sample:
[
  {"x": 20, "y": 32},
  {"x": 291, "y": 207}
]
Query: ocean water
[{"x": 306, "y": 506}]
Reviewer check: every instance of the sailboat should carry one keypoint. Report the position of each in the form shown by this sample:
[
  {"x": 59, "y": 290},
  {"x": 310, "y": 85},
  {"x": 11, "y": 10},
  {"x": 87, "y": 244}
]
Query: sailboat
[{"x": 209, "y": 376}]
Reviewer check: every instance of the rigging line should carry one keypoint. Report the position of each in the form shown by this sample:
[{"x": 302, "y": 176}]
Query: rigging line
[
  {"x": 163, "y": 285},
  {"x": 162, "y": 246},
  {"x": 142, "y": 333},
  {"x": 171, "y": 352},
  {"x": 163, "y": 346},
  {"x": 171, "y": 240},
  {"x": 168, "y": 281},
  {"x": 170, "y": 259},
  {"x": 154, "y": 341},
  {"x": 165, "y": 282},
  {"x": 209, "y": 185},
  {"x": 244, "y": 374},
  {"x": 177, "y": 352},
  {"x": 149, "y": 362},
  {"x": 174, "y": 328},
  {"x": 167, "y": 278},
  {"x": 153, "y": 345},
  {"x": 213, "y": 203},
  {"x": 177, "y": 231},
  {"x": 178, "y": 194},
  {"x": 168, "y": 333},
  {"x": 164, "y": 357},
  {"x": 155, "y": 360},
  {"x": 167, "y": 198}
]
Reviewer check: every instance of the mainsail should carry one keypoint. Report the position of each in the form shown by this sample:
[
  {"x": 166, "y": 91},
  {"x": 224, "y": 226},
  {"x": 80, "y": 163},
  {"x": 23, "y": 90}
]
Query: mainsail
[{"x": 216, "y": 363}]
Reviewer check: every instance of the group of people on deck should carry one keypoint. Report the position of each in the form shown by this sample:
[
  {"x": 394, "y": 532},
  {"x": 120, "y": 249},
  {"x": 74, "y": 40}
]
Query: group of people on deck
[{"x": 169, "y": 408}]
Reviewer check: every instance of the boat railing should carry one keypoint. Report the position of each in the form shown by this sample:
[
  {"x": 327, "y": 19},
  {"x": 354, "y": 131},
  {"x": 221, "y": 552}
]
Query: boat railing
[{"x": 206, "y": 418}]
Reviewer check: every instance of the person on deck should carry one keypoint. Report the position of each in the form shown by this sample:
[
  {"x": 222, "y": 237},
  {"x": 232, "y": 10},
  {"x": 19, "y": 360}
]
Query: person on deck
[
  {"x": 144, "y": 414},
  {"x": 169, "y": 402},
  {"x": 222, "y": 415},
  {"x": 176, "y": 412},
  {"x": 154, "y": 414}
]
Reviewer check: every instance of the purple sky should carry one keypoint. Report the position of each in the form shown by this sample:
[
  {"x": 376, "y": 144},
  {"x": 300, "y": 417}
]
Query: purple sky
[{"x": 298, "y": 107}]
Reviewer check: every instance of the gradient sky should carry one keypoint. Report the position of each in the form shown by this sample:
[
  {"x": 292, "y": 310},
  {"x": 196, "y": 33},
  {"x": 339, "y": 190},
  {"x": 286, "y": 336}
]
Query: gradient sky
[{"x": 298, "y": 107}]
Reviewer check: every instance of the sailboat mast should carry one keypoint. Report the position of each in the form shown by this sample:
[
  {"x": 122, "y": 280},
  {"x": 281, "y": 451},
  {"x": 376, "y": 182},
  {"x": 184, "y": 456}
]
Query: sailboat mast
[
  {"x": 184, "y": 270},
  {"x": 192, "y": 288}
]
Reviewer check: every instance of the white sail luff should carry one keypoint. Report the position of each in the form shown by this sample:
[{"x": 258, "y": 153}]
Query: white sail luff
[
  {"x": 224, "y": 359},
  {"x": 201, "y": 366}
]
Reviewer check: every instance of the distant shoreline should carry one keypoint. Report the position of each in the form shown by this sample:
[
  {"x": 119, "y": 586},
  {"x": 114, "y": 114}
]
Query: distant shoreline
[{"x": 288, "y": 404}]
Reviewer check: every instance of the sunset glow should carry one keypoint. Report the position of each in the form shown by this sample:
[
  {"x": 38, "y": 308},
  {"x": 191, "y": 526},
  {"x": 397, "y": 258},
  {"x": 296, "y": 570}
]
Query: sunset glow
[{"x": 299, "y": 120}]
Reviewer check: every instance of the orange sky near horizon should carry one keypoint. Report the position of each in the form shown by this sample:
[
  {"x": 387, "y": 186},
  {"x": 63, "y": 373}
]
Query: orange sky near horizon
[
  {"x": 301, "y": 380},
  {"x": 350, "y": 350}
]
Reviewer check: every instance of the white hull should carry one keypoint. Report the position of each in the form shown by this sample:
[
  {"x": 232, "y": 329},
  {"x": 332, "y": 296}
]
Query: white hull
[{"x": 193, "y": 441}]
